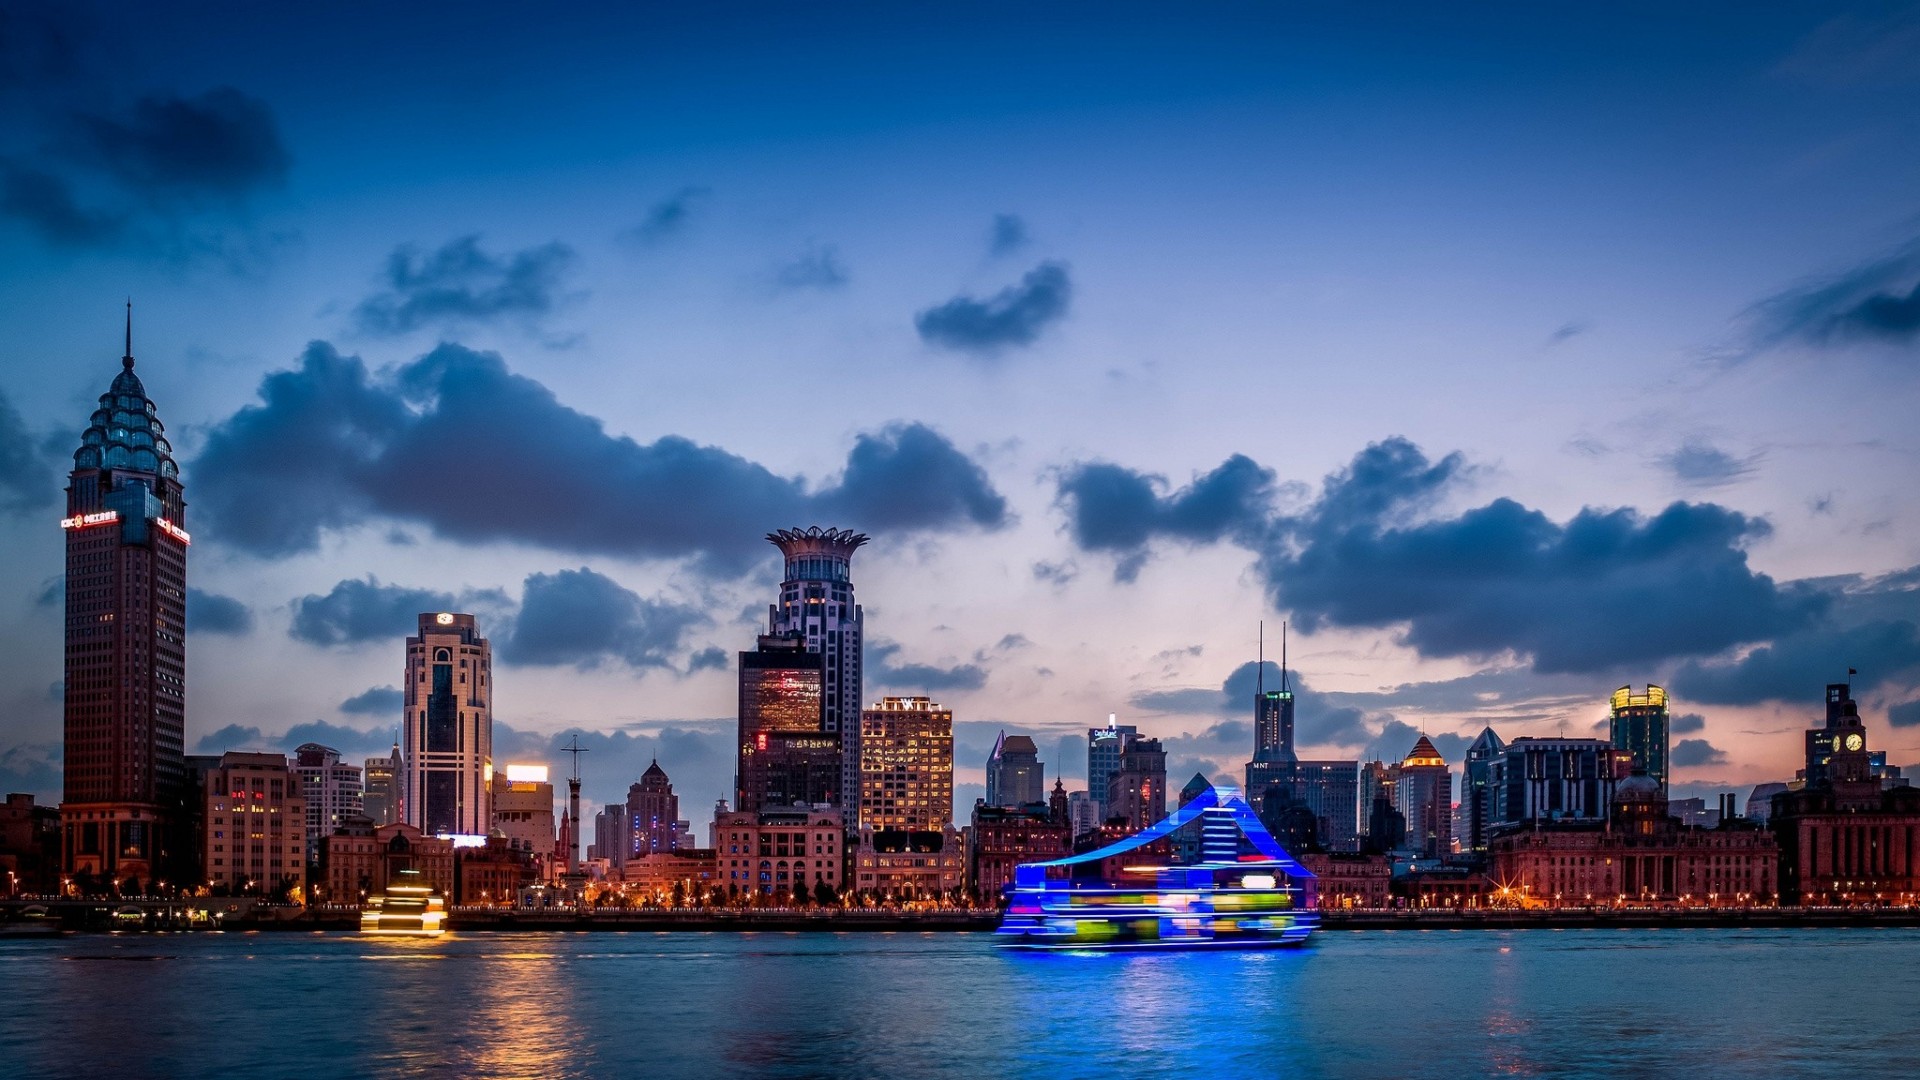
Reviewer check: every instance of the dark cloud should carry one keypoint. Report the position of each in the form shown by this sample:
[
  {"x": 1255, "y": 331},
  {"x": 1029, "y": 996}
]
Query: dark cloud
[
  {"x": 882, "y": 671},
  {"x": 669, "y": 217},
  {"x": 1566, "y": 332},
  {"x": 1055, "y": 573},
  {"x": 231, "y": 737},
  {"x": 1008, "y": 235},
  {"x": 330, "y": 448},
  {"x": 1797, "y": 666},
  {"x": 583, "y": 618},
  {"x": 375, "y": 701},
  {"x": 150, "y": 173},
  {"x": 818, "y": 267},
  {"x": 46, "y": 203},
  {"x": 1876, "y": 301},
  {"x": 356, "y": 611},
  {"x": 698, "y": 757},
  {"x": 212, "y": 613},
  {"x": 27, "y": 478},
  {"x": 1904, "y": 714},
  {"x": 1691, "y": 752},
  {"x": 221, "y": 143},
  {"x": 711, "y": 658},
  {"x": 1702, "y": 465},
  {"x": 1684, "y": 724},
  {"x": 1502, "y": 578},
  {"x": 1113, "y": 508},
  {"x": 33, "y": 769},
  {"x": 460, "y": 283},
  {"x": 1014, "y": 316}
]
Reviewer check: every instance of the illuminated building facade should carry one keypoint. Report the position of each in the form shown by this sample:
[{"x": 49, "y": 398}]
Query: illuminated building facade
[
  {"x": 447, "y": 738},
  {"x": 1104, "y": 747},
  {"x": 1015, "y": 776},
  {"x": 380, "y": 801},
  {"x": 1349, "y": 879},
  {"x": 653, "y": 814},
  {"x": 331, "y": 789},
  {"x": 256, "y": 824},
  {"x": 818, "y": 607},
  {"x": 523, "y": 811},
  {"x": 1845, "y": 836},
  {"x": 361, "y": 862},
  {"x": 693, "y": 870},
  {"x": 906, "y": 765},
  {"x": 123, "y": 809},
  {"x": 1137, "y": 789},
  {"x": 787, "y": 755},
  {"x": 1542, "y": 780},
  {"x": 1423, "y": 794},
  {"x": 1638, "y": 724},
  {"x": 770, "y": 853},
  {"x": 1001, "y": 838},
  {"x": 491, "y": 874},
  {"x": 909, "y": 865},
  {"x": 1637, "y": 854}
]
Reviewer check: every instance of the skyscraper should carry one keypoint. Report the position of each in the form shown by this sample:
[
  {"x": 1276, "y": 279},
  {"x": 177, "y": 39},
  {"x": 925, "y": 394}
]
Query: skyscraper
[
  {"x": 653, "y": 814},
  {"x": 1423, "y": 793},
  {"x": 1015, "y": 776},
  {"x": 332, "y": 791},
  {"x": 447, "y": 740},
  {"x": 126, "y": 628},
  {"x": 1104, "y": 746},
  {"x": 1273, "y": 709},
  {"x": 1477, "y": 793},
  {"x": 1137, "y": 789},
  {"x": 1638, "y": 724},
  {"x": 377, "y": 800},
  {"x": 817, "y": 606},
  {"x": 906, "y": 765},
  {"x": 786, "y": 755}
]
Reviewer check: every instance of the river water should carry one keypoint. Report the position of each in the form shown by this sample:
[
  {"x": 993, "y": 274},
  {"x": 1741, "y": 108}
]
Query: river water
[{"x": 1478, "y": 1003}]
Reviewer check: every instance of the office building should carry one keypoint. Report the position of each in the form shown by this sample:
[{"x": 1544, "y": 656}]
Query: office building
[
  {"x": 29, "y": 847},
  {"x": 906, "y": 766},
  {"x": 1536, "y": 780},
  {"x": 610, "y": 836},
  {"x": 380, "y": 799},
  {"x": 331, "y": 789},
  {"x": 1001, "y": 838},
  {"x": 1015, "y": 776},
  {"x": 786, "y": 753},
  {"x": 124, "y": 690},
  {"x": 1104, "y": 746},
  {"x": 523, "y": 812},
  {"x": 1638, "y": 724},
  {"x": 1477, "y": 793},
  {"x": 447, "y": 739},
  {"x": 776, "y": 851},
  {"x": 1423, "y": 794},
  {"x": 1330, "y": 790},
  {"x": 818, "y": 607},
  {"x": 1137, "y": 788},
  {"x": 653, "y": 814},
  {"x": 1083, "y": 812},
  {"x": 1845, "y": 837},
  {"x": 256, "y": 825}
]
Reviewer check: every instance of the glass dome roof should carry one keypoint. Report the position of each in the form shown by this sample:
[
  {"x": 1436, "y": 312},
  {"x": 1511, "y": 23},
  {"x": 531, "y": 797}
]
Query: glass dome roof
[{"x": 125, "y": 431}]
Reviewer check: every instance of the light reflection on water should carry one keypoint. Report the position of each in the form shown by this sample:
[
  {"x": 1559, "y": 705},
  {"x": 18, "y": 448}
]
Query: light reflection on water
[{"x": 1525, "y": 1003}]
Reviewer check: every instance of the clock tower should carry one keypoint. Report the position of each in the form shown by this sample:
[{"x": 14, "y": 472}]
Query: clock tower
[{"x": 1837, "y": 753}]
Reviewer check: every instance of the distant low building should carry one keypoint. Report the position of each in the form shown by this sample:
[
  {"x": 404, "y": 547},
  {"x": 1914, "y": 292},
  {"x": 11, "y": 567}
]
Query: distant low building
[
  {"x": 898, "y": 863},
  {"x": 1001, "y": 838},
  {"x": 1349, "y": 879},
  {"x": 29, "y": 847},
  {"x": 492, "y": 874},
  {"x": 693, "y": 870},
  {"x": 359, "y": 861}
]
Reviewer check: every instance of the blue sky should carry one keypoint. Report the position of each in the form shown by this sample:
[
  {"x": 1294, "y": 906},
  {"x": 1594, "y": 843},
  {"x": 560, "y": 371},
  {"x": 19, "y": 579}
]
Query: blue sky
[{"x": 1120, "y": 329}]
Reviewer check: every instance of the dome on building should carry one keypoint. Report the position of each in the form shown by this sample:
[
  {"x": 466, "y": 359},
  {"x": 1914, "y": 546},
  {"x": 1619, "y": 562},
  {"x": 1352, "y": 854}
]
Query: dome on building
[
  {"x": 125, "y": 431},
  {"x": 1639, "y": 787}
]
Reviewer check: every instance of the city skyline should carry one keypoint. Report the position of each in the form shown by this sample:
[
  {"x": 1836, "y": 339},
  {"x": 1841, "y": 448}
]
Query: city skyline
[{"x": 1678, "y": 389}]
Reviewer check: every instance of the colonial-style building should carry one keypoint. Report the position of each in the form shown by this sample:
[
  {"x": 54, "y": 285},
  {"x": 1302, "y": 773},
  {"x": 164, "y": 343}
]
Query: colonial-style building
[
  {"x": 771, "y": 852},
  {"x": 921, "y": 864},
  {"x": 359, "y": 860},
  {"x": 1348, "y": 879},
  {"x": 1002, "y": 838},
  {"x": 1846, "y": 837}
]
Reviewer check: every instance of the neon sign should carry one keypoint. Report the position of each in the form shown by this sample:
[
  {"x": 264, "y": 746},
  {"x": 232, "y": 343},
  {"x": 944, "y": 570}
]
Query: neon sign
[
  {"x": 173, "y": 530},
  {"x": 82, "y": 521}
]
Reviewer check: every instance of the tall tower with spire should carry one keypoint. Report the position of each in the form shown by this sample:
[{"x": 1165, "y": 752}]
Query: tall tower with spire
[
  {"x": 126, "y": 630},
  {"x": 817, "y": 607},
  {"x": 1273, "y": 710}
]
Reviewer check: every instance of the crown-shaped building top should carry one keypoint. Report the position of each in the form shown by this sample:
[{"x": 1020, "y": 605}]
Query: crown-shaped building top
[
  {"x": 1423, "y": 753},
  {"x": 125, "y": 431},
  {"x": 817, "y": 554}
]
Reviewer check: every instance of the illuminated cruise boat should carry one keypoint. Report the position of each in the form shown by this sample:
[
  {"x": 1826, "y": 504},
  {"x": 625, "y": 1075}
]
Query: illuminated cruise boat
[
  {"x": 1241, "y": 894},
  {"x": 405, "y": 910}
]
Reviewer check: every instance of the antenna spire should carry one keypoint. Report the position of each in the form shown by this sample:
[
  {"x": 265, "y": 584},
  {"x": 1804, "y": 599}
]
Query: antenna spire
[
  {"x": 126, "y": 360},
  {"x": 1284, "y": 687},
  {"x": 1260, "y": 667}
]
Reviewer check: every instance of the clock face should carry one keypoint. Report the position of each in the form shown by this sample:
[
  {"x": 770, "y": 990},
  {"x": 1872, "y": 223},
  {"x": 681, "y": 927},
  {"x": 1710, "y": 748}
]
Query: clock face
[
  {"x": 443, "y": 619},
  {"x": 1855, "y": 742}
]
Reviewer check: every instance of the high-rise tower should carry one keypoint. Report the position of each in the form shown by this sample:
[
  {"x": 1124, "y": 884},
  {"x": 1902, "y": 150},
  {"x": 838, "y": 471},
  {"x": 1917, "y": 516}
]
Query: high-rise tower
[
  {"x": 1638, "y": 724},
  {"x": 1273, "y": 710},
  {"x": 817, "y": 606},
  {"x": 447, "y": 745},
  {"x": 126, "y": 663}
]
